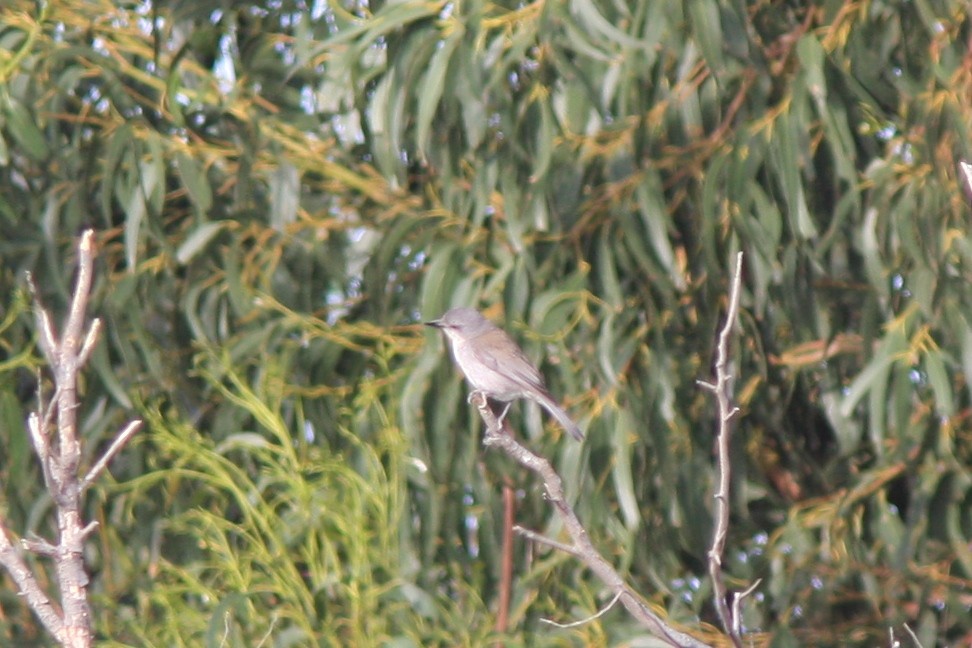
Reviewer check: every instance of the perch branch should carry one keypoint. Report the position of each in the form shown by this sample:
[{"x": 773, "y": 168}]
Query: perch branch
[{"x": 582, "y": 547}]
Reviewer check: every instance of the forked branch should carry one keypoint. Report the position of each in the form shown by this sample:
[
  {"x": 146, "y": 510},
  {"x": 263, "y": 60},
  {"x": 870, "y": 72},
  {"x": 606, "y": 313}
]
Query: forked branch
[
  {"x": 59, "y": 452},
  {"x": 581, "y": 545}
]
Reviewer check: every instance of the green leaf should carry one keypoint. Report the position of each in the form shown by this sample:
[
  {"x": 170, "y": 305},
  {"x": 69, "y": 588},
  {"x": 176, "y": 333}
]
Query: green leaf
[
  {"x": 622, "y": 475},
  {"x": 589, "y": 16},
  {"x": 197, "y": 240},
  {"x": 284, "y": 195},
  {"x": 940, "y": 382},
  {"x": 21, "y": 127},
  {"x": 197, "y": 184},
  {"x": 433, "y": 85},
  {"x": 707, "y": 29}
]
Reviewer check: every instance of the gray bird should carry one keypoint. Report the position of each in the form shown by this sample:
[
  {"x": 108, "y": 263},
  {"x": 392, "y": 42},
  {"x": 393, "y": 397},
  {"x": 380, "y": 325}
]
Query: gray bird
[{"x": 494, "y": 364}]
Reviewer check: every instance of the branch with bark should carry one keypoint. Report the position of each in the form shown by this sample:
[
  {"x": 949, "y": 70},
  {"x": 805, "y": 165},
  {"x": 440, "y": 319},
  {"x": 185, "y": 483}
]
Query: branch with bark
[
  {"x": 722, "y": 388},
  {"x": 53, "y": 431},
  {"x": 499, "y": 436}
]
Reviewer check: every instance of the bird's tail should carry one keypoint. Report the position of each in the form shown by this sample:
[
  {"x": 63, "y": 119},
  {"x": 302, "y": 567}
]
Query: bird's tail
[{"x": 562, "y": 417}]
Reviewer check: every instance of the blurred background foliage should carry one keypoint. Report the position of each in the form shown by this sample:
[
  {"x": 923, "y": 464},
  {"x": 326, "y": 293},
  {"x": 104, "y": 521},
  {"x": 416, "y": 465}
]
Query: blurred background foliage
[{"x": 282, "y": 191}]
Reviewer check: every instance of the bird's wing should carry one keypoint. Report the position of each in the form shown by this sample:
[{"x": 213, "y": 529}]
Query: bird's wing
[{"x": 516, "y": 364}]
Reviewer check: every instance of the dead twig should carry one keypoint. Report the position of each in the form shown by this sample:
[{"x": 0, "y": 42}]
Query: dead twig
[
  {"x": 722, "y": 388},
  {"x": 60, "y": 456}
]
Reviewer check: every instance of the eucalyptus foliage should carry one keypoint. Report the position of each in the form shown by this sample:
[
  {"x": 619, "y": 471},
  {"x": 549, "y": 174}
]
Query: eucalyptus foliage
[{"x": 283, "y": 191}]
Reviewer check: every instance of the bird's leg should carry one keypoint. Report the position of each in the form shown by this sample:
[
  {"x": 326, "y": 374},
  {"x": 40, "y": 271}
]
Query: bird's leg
[
  {"x": 475, "y": 395},
  {"x": 502, "y": 414}
]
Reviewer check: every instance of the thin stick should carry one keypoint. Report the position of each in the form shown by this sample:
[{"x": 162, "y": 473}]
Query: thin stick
[
  {"x": 506, "y": 561},
  {"x": 542, "y": 539},
  {"x": 737, "y": 600},
  {"x": 722, "y": 389},
  {"x": 127, "y": 433},
  {"x": 965, "y": 178},
  {"x": 604, "y": 610}
]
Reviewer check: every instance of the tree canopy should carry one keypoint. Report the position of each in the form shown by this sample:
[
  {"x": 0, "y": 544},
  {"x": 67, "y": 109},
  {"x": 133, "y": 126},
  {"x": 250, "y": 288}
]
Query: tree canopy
[{"x": 282, "y": 192}]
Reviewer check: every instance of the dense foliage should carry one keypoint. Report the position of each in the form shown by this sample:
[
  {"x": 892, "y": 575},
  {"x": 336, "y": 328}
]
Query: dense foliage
[{"x": 283, "y": 191}]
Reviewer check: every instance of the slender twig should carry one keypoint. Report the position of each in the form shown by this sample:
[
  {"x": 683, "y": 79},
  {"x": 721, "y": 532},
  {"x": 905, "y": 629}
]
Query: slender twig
[
  {"x": 965, "y": 179},
  {"x": 506, "y": 561},
  {"x": 723, "y": 390},
  {"x": 542, "y": 539},
  {"x": 38, "y": 546},
  {"x": 604, "y": 610},
  {"x": 911, "y": 633},
  {"x": 583, "y": 548},
  {"x": 90, "y": 340},
  {"x": 127, "y": 433},
  {"x": 38, "y": 439},
  {"x": 737, "y": 600},
  {"x": 47, "y": 339},
  {"x": 89, "y": 528}
]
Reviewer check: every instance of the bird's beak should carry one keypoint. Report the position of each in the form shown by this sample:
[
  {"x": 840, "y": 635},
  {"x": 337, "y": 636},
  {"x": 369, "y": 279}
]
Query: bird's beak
[{"x": 434, "y": 324}]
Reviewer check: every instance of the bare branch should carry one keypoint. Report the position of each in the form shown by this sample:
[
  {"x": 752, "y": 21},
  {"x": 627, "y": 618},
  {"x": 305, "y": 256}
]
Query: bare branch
[
  {"x": 911, "y": 633},
  {"x": 965, "y": 178},
  {"x": 90, "y": 341},
  {"x": 79, "y": 302},
  {"x": 38, "y": 438},
  {"x": 123, "y": 437},
  {"x": 47, "y": 336},
  {"x": 542, "y": 539},
  {"x": 597, "y": 615},
  {"x": 46, "y": 411},
  {"x": 39, "y": 546},
  {"x": 14, "y": 563},
  {"x": 737, "y": 600},
  {"x": 88, "y": 529},
  {"x": 722, "y": 389},
  {"x": 60, "y": 457},
  {"x": 582, "y": 547}
]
